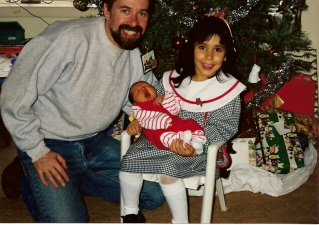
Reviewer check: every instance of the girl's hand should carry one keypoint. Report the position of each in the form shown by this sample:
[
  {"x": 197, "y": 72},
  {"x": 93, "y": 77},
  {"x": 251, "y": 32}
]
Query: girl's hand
[
  {"x": 159, "y": 100},
  {"x": 178, "y": 148},
  {"x": 134, "y": 128}
]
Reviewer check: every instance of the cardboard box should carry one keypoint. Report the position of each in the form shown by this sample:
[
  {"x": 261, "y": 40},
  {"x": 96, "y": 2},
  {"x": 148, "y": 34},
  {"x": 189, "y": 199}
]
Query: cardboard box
[{"x": 245, "y": 151}]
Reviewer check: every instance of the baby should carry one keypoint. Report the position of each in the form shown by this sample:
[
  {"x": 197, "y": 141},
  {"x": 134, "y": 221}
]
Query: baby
[{"x": 157, "y": 115}]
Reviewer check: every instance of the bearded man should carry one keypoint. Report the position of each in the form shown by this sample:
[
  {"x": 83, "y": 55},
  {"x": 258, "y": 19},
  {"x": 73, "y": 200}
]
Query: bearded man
[{"x": 67, "y": 86}]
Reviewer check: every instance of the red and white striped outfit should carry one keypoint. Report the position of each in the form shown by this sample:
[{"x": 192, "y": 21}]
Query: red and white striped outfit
[{"x": 160, "y": 123}]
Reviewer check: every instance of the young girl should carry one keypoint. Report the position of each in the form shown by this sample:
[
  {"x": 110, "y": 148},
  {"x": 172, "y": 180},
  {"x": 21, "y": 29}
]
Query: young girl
[{"x": 210, "y": 95}]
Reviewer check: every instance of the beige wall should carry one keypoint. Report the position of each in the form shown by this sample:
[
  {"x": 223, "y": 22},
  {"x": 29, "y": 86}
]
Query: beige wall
[
  {"x": 33, "y": 25},
  {"x": 309, "y": 23}
]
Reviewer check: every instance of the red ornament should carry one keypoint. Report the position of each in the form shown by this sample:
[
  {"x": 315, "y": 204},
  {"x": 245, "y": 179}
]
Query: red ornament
[
  {"x": 178, "y": 41},
  {"x": 192, "y": 7}
]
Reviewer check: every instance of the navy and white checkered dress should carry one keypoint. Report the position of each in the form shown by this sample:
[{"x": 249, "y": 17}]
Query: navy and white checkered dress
[{"x": 219, "y": 125}]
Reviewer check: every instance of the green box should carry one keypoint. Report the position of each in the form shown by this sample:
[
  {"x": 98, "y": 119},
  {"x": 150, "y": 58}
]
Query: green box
[
  {"x": 280, "y": 142},
  {"x": 11, "y": 33}
]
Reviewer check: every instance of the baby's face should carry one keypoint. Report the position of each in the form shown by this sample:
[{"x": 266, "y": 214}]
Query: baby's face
[{"x": 142, "y": 92}]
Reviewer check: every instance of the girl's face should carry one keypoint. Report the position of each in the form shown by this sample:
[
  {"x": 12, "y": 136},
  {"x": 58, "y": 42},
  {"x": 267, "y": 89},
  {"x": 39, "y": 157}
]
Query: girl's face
[
  {"x": 142, "y": 92},
  {"x": 208, "y": 58}
]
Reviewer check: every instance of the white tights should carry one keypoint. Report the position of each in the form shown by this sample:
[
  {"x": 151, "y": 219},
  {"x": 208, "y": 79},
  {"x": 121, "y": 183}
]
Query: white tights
[
  {"x": 173, "y": 190},
  {"x": 175, "y": 194}
]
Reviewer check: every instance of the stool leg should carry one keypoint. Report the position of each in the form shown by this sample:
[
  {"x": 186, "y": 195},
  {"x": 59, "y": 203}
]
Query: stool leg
[
  {"x": 125, "y": 144},
  {"x": 220, "y": 193}
]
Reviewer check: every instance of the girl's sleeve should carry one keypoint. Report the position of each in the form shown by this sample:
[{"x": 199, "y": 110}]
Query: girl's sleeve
[{"x": 150, "y": 119}]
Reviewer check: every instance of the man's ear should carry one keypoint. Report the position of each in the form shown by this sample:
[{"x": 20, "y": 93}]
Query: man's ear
[{"x": 106, "y": 11}]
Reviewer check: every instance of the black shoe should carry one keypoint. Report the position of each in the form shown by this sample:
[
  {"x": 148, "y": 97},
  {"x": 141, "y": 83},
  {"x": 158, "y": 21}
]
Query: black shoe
[
  {"x": 10, "y": 178},
  {"x": 132, "y": 218}
]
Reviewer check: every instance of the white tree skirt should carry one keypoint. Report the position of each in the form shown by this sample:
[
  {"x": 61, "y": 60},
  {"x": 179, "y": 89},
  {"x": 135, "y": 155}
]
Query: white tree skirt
[{"x": 244, "y": 177}]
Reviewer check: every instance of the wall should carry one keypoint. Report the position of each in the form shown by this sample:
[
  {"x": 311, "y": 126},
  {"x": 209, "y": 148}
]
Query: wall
[
  {"x": 309, "y": 23},
  {"x": 34, "y": 25}
]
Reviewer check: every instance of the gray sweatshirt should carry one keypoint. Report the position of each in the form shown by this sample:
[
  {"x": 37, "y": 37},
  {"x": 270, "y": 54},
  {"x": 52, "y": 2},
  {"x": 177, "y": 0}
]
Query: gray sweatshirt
[{"x": 68, "y": 83}]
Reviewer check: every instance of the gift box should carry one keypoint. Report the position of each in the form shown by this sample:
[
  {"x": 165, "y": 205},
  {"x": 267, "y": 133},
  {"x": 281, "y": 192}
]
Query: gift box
[
  {"x": 260, "y": 159},
  {"x": 280, "y": 142},
  {"x": 245, "y": 151},
  {"x": 300, "y": 93},
  {"x": 297, "y": 95},
  {"x": 305, "y": 124}
]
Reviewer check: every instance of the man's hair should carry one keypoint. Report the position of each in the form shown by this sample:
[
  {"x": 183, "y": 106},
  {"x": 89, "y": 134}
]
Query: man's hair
[{"x": 151, "y": 6}]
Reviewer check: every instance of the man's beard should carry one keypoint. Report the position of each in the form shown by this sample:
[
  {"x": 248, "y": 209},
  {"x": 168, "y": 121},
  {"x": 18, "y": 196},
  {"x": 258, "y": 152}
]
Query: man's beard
[{"x": 127, "y": 43}]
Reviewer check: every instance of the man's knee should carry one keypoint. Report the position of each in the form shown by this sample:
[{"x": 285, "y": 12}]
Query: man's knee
[{"x": 151, "y": 196}]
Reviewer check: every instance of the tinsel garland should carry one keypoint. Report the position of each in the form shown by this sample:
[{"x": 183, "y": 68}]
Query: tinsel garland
[
  {"x": 99, "y": 6},
  {"x": 241, "y": 12},
  {"x": 276, "y": 80},
  {"x": 234, "y": 17}
]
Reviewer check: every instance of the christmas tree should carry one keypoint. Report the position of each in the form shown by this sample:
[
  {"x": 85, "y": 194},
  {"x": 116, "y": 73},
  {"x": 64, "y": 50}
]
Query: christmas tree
[{"x": 263, "y": 30}]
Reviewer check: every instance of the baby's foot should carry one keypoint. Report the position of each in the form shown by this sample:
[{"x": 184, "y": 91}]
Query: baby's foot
[
  {"x": 198, "y": 146},
  {"x": 187, "y": 136}
]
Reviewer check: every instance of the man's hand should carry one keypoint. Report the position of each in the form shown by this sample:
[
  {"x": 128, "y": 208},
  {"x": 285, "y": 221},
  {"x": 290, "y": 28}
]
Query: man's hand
[
  {"x": 178, "y": 148},
  {"x": 134, "y": 128},
  {"x": 52, "y": 166}
]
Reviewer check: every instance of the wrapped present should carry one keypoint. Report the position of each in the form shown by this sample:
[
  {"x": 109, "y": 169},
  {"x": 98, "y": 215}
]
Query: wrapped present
[
  {"x": 305, "y": 124},
  {"x": 300, "y": 93},
  {"x": 296, "y": 95},
  {"x": 245, "y": 151},
  {"x": 280, "y": 142},
  {"x": 260, "y": 159}
]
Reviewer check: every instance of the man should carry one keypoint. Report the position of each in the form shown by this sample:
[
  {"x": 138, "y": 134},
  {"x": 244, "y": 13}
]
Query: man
[{"x": 68, "y": 85}]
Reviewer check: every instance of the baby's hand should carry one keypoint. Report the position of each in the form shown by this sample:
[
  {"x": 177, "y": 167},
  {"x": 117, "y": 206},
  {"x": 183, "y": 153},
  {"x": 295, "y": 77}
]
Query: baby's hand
[{"x": 159, "y": 100}]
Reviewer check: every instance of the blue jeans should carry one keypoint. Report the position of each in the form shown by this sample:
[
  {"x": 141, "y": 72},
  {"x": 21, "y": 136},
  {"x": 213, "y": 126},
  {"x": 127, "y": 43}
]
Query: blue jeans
[{"x": 93, "y": 169}]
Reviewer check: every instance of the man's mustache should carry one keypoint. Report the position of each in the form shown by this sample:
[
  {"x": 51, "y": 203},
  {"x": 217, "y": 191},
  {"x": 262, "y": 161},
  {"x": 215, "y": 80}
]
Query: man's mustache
[{"x": 137, "y": 28}]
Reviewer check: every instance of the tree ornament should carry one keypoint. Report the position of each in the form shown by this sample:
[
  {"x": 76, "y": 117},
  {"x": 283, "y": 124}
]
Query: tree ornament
[
  {"x": 178, "y": 41},
  {"x": 82, "y": 5},
  {"x": 279, "y": 76},
  {"x": 192, "y": 7},
  {"x": 264, "y": 46},
  {"x": 254, "y": 74},
  {"x": 281, "y": 6}
]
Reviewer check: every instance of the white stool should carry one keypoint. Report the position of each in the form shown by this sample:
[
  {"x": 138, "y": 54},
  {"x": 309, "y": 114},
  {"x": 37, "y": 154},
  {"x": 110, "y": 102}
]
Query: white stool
[{"x": 193, "y": 182}]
